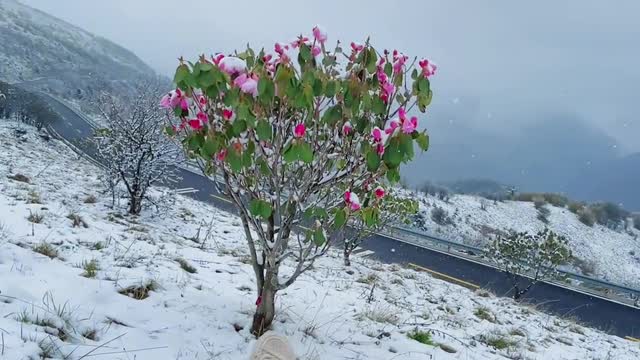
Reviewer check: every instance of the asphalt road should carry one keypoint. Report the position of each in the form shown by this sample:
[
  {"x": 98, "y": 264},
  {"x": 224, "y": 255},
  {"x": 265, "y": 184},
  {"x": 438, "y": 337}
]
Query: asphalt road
[{"x": 612, "y": 317}]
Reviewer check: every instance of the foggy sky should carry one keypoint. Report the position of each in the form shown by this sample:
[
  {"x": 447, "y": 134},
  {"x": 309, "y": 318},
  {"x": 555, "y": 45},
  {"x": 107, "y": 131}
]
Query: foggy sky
[{"x": 511, "y": 61}]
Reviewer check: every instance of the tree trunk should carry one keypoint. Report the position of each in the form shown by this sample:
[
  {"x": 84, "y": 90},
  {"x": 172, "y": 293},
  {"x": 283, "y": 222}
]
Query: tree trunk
[
  {"x": 135, "y": 205},
  {"x": 346, "y": 256},
  {"x": 517, "y": 294},
  {"x": 266, "y": 309}
]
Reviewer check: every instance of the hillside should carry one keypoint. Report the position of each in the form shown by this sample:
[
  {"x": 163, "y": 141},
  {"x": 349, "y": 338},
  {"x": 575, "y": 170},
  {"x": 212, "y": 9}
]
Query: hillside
[
  {"x": 64, "y": 288},
  {"x": 43, "y": 52},
  {"x": 612, "y": 255}
]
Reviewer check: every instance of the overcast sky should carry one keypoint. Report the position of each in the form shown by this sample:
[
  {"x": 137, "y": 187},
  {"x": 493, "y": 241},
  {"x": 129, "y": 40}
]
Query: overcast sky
[{"x": 511, "y": 60}]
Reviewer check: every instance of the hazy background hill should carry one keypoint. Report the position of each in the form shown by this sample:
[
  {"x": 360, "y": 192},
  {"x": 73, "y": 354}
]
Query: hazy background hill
[
  {"x": 55, "y": 56},
  {"x": 555, "y": 151}
]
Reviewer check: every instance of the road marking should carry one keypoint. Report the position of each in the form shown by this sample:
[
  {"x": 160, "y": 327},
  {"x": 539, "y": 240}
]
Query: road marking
[
  {"x": 632, "y": 339},
  {"x": 446, "y": 277}
]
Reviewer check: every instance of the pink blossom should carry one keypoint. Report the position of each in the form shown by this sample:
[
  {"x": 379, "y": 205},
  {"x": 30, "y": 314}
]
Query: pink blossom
[
  {"x": 352, "y": 200},
  {"x": 409, "y": 126},
  {"x": 315, "y": 51},
  {"x": 267, "y": 58},
  {"x": 247, "y": 83},
  {"x": 347, "y": 128},
  {"x": 227, "y": 114},
  {"x": 299, "y": 130},
  {"x": 402, "y": 113},
  {"x": 380, "y": 149},
  {"x": 232, "y": 65},
  {"x": 428, "y": 68},
  {"x": 392, "y": 126},
  {"x": 377, "y": 134},
  {"x": 283, "y": 52},
  {"x": 398, "y": 63},
  {"x": 356, "y": 47},
  {"x": 217, "y": 59},
  {"x": 203, "y": 117},
  {"x": 319, "y": 34},
  {"x": 222, "y": 154},
  {"x": 387, "y": 90},
  {"x": 379, "y": 191},
  {"x": 237, "y": 146},
  {"x": 195, "y": 124},
  {"x": 299, "y": 41},
  {"x": 173, "y": 99}
]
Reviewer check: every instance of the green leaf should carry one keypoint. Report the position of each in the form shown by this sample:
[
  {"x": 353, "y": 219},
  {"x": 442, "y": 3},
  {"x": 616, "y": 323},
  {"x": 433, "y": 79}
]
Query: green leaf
[
  {"x": 340, "y": 218},
  {"x": 169, "y": 130},
  {"x": 318, "y": 237},
  {"x": 414, "y": 74},
  {"x": 305, "y": 52},
  {"x": 234, "y": 159},
  {"x": 266, "y": 89},
  {"x": 239, "y": 126},
  {"x": 332, "y": 115},
  {"x": 331, "y": 89},
  {"x": 260, "y": 208},
  {"x": 290, "y": 153},
  {"x": 264, "y": 130},
  {"x": 373, "y": 160},
  {"x": 378, "y": 106},
  {"x": 393, "y": 175},
  {"x": 182, "y": 72},
  {"x": 388, "y": 69},
  {"x": 305, "y": 153},
  {"x": 393, "y": 154},
  {"x": 372, "y": 58},
  {"x": 423, "y": 141},
  {"x": 231, "y": 97},
  {"x": 210, "y": 147},
  {"x": 205, "y": 79},
  {"x": 406, "y": 147}
]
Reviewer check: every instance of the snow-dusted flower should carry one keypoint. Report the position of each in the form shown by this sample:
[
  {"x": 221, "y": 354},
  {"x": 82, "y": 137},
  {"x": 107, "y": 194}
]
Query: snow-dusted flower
[
  {"x": 410, "y": 125},
  {"x": 173, "y": 99},
  {"x": 377, "y": 134},
  {"x": 319, "y": 34},
  {"x": 203, "y": 117},
  {"x": 380, "y": 149},
  {"x": 347, "y": 128},
  {"x": 247, "y": 83},
  {"x": 195, "y": 124},
  {"x": 232, "y": 65},
  {"x": 356, "y": 47},
  {"x": 227, "y": 114},
  {"x": 216, "y": 59},
  {"x": 299, "y": 130},
  {"x": 379, "y": 192},
  {"x": 352, "y": 200},
  {"x": 221, "y": 155},
  {"x": 391, "y": 126},
  {"x": 428, "y": 68}
]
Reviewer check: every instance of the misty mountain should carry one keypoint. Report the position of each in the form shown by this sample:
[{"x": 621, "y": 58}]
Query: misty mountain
[
  {"x": 554, "y": 151},
  {"x": 52, "y": 55}
]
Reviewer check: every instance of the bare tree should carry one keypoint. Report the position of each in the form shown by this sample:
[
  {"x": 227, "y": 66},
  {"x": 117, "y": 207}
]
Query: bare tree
[
  {"x": 533, "y": 256},
  {"x": 133, "y": 147}
]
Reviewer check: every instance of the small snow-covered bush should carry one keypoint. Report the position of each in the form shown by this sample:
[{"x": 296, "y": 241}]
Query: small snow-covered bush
[
  {"x": 609, "y": 214},
  {"x": 586, "y": 216},
  {"x": 636, "y": 221},
  {"x": 440, "y": 216}
]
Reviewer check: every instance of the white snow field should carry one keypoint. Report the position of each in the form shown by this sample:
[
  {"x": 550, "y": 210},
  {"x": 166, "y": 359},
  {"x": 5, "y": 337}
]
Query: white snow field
[{"x": 60, "y": 285}]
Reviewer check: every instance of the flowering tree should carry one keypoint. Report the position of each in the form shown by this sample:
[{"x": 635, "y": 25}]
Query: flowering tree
[
  {"x": 536, "y": 256},
  {"x": 391, "y": 209},
  {"x": 133, "y": 147},
  {"x": 307, "y": 135}
]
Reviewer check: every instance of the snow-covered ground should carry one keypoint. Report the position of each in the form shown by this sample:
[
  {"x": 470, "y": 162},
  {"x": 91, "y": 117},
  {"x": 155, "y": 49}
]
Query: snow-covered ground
[
  {"x": 606, "y": 253},
  {"x": 69, "y": 305}
]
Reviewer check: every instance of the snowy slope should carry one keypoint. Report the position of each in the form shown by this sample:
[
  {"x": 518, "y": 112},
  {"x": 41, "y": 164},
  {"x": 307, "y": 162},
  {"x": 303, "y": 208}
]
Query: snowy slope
[
  {"x": 53, "y": 305},
  {"x": 614, "y": 255},
  {"x": 60, "y": 57}
]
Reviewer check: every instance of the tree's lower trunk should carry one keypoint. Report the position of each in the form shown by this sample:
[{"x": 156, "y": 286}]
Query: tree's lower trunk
[
  {"x": 346, "y": 256},
  {"x": 135, "y": 205},
  {"x": 266, "y": 305},
  {"x": 518, "y": 293}
]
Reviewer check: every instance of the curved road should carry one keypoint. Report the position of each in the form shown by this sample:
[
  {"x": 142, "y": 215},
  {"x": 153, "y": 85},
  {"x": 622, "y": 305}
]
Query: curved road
[{"x": 612, "y": 317}]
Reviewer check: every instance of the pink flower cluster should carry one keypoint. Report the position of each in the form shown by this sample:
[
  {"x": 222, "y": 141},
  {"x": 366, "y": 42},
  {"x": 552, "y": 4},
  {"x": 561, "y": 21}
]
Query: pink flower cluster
[
  {"x": 408, "y": 125},
  {"x": 174, "y": 99},
  {"x": 353, "y": 201},
  {"x": 386, "y": 87},
  {"x": 428, "y": 68}
]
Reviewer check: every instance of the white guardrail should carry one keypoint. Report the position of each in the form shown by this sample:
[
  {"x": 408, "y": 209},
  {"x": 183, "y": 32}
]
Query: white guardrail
[{"x": 627, "y": 295}]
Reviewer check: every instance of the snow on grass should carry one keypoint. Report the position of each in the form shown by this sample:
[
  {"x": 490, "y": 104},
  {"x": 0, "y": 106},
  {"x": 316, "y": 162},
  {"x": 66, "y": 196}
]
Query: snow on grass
[
  {"x": 602, "y": 252},
  {"x": 118, "y": 288}
]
